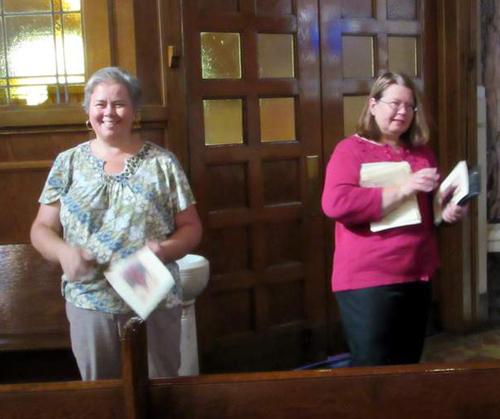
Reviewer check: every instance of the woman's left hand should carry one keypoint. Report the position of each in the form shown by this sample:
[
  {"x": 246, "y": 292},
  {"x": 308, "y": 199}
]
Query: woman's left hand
[
  {"x": 453, "y": 213},
  {"x": 185, "y": 238}
]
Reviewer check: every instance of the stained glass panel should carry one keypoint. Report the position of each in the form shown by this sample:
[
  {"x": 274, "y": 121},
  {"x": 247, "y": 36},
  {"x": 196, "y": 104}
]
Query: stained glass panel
[
  {"x": 26, "y": 6},
  {"x": 42, "y": 55},
  {"x": 30, "y": 46},
  {"x": 3, "y": 70},
  {"x": 74, "y": 57}
]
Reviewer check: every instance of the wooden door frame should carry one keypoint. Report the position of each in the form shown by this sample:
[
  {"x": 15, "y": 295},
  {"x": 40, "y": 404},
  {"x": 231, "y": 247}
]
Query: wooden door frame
[{"x": 457, "y": 285}]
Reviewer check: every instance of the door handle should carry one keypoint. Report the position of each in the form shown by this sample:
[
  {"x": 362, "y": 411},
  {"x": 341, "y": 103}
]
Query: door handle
[{"x": 173, "y": 56}]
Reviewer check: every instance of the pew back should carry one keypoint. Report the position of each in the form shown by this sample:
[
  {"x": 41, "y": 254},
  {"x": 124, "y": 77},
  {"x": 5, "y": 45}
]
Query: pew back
[
  {"x": 31, "y": 305},
  {"x": 388, "y": 393}
]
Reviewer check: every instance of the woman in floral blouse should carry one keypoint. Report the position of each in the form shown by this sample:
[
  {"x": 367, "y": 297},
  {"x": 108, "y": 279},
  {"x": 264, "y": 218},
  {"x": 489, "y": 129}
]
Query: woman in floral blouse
[{"x": 104, "y": 200}]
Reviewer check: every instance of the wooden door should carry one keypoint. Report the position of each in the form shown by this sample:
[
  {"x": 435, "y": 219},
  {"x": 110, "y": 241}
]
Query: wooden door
[
  {"x": 360, "y": 40},
  {"x": 253, "y": 83},
  {"x": 272, "y": 87}
]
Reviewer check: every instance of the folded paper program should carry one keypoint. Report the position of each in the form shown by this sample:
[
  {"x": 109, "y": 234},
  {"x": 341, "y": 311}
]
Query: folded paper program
[
  {"x": 387, "y": 174},
  {"x": 142, "y": 280}
]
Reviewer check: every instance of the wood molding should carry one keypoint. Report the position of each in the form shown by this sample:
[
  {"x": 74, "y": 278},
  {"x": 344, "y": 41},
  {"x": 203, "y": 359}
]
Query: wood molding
[
  {"x": 25, "y": 166},
  {"x": 457, "y": 283},
  {"x": 124, "y": 35},
  {"x": 97, "y": 32}
]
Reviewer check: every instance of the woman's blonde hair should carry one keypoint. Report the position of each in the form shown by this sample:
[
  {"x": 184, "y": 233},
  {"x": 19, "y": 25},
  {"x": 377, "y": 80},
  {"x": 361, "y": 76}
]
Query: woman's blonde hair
[{"x": 417, "y": 133}]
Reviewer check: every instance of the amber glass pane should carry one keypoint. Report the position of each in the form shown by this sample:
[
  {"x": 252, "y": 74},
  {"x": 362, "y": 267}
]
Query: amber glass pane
[
  {"x": 223, "y": 121},
  {"x": 30, "y": 41},
  {"x": 277, "y": 119},
  {"x": 401, "y": 9},
  {"x": 402, "y": 53},
  {"x": 353, "y": 105},
  {"x": 357, "y": 55},
  {"x": 275, "y": 55},
  {"x": 220, "y": 55},
  {"x": 26, "y": 5},
  {"x": 357, "y": 8}
]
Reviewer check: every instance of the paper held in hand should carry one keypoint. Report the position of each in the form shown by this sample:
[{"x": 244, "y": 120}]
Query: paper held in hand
[
  {"x": 387, "y": 174},
  {"x": 466, "y": 186},
  {"x": 142, "y": 280}
]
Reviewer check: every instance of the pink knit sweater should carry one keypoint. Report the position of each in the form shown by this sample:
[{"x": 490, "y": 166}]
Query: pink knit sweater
[{"x": 364, "y": 259}]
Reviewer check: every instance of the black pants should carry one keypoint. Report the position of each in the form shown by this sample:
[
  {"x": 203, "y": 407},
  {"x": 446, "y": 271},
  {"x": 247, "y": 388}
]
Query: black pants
[{"x": 385, "y": 325}]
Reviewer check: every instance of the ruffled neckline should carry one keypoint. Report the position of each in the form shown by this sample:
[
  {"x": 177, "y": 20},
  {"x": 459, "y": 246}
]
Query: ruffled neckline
[{"x": 131, "y": 163}]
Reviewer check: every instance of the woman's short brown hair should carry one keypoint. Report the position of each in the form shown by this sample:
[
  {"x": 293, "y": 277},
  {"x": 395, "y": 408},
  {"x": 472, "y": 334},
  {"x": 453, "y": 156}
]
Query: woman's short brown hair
[{"x": 418, "y": 132}]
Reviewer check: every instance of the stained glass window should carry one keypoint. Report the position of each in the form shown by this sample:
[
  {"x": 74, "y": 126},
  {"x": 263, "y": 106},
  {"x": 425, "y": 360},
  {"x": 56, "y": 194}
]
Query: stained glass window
[{"x": 42, "y": 58}]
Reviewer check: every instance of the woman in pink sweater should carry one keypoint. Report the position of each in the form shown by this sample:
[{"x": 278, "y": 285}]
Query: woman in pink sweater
[{"x": 381, "y": 279}]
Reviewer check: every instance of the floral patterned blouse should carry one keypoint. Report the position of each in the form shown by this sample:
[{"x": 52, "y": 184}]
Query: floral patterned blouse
[{"x": 112, "y": 216}]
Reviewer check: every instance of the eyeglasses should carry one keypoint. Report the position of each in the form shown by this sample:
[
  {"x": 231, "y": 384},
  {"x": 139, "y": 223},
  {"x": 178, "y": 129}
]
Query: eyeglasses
[{"x": 396, "y": 105}]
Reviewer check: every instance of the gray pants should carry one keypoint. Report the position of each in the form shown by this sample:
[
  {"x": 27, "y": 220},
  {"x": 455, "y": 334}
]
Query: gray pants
[{"x": 95, "y": 340}]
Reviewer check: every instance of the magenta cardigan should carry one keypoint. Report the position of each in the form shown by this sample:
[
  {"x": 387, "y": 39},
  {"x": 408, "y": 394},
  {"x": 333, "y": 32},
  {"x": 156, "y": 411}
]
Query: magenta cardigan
[{"x": 364, "y": 259}]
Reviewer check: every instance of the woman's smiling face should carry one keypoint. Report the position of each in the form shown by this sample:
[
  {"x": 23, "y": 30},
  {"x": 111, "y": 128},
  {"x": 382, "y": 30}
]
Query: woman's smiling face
[
  {"x": 393, "y": 112},
  {"x": 111, "y": 112}
]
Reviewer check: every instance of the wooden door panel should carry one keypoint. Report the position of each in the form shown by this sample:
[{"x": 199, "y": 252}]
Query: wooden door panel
[{"x": 261, "y": 306}]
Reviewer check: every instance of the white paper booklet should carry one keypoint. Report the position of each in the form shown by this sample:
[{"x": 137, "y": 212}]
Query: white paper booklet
[
  {"x": 387, "y": 174},
  {"x": 142, "y": 280},
  {"x": 458, "y": 179}
]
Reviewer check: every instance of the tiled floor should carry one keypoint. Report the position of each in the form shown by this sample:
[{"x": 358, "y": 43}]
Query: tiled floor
[{"x": 445, "y": 348}]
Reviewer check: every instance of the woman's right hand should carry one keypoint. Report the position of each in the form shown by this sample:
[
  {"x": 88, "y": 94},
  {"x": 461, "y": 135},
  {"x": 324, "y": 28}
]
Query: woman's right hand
[
  {"x": 75, "y": 262},
  {"x": 425, "y": 180}
]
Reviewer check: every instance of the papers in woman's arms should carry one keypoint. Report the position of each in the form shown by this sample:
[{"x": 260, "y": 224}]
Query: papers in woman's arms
[
  {"x": 387, "y": 174},
  {"x": 142, "y": 280},
  {"x": 466, "y": 185}
]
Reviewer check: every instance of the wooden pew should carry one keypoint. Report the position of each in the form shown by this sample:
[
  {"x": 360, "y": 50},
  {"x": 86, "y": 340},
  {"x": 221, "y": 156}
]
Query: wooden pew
[
  {"x": 34, "y": 331},
  {"x": 411, "y": 392}
]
